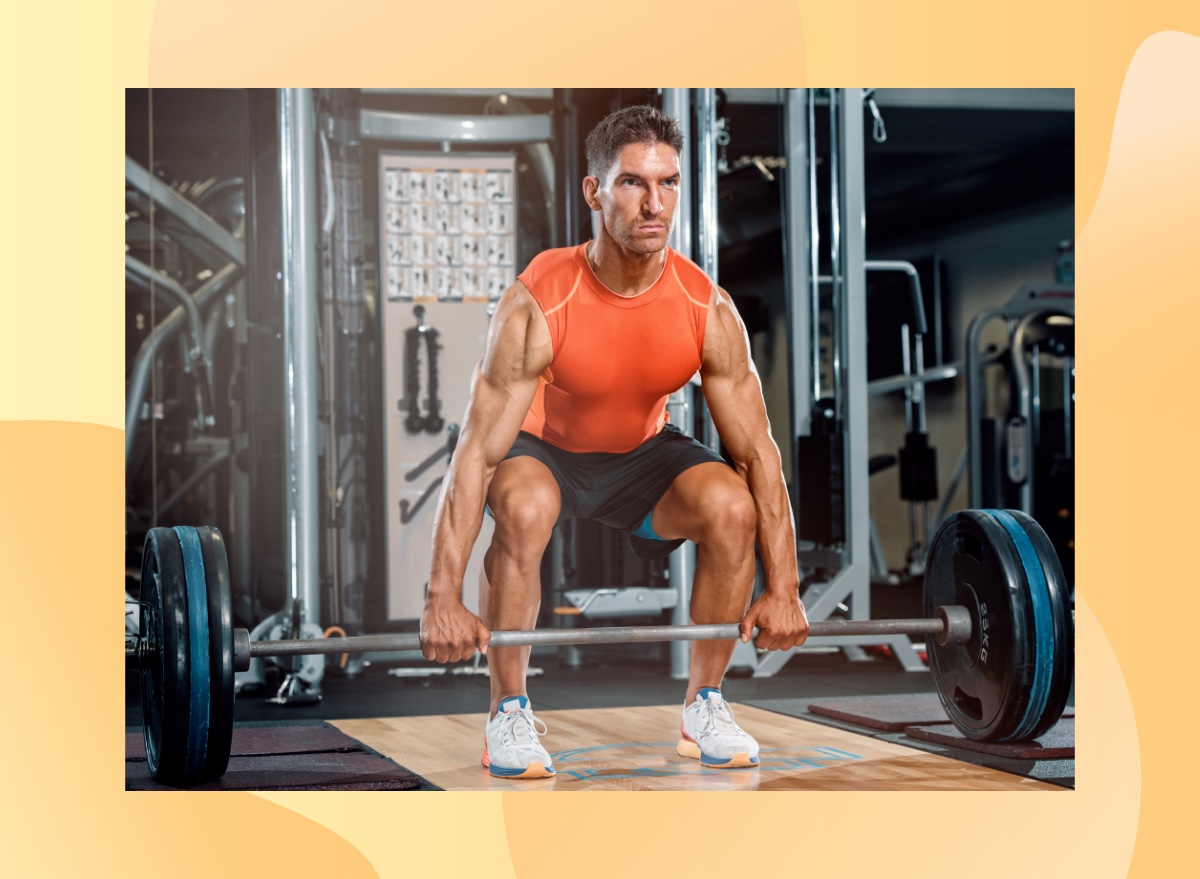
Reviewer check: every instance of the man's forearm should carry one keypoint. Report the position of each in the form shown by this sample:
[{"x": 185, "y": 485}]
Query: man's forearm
[
  {"x": 459, "y": 520},
  {"x": 776, "y": 530}
]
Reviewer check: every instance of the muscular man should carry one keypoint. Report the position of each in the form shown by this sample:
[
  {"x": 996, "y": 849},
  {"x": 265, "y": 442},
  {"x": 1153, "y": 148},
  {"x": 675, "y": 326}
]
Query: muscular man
[{"x": 567, "y": 418}]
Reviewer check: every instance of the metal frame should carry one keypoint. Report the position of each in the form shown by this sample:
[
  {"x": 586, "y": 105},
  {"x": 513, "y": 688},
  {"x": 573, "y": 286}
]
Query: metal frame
[
  {"x": 920, "y": 377},
  {"x": 851, "y": 585},
  {"x": 677, "y": 105},
  {"x": 167, "y": 329},
  {"x": 301, "y": 273},
  {"x": 463, "y": 92},
  {"x": 141, "y": 184},
  {"x": 158, "y": 282},
  {"x": 799, "y": 253},
  {"x": 422, "y": 128},
  {"x": 681, "y": 565},
  {"x": 183, "y": 210},
  {"x": 707, "y": 238}
]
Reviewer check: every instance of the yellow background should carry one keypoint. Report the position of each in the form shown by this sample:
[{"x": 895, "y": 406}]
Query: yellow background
[{"x": 1136, "y": 68}]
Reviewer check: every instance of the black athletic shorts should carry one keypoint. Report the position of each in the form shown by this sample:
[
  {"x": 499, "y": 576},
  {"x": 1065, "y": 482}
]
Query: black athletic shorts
[{"x": 620, "y": 489}]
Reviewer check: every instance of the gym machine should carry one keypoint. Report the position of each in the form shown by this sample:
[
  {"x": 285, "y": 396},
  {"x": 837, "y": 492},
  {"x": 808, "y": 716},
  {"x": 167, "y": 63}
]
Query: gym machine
[
  {"x": 829, "y": 372},
  {"x": 1021, "y": 411}
]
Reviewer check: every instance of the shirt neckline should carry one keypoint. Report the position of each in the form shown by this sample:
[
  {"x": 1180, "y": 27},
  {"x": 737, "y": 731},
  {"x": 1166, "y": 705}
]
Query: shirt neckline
[{"x": 600, "y": 289}]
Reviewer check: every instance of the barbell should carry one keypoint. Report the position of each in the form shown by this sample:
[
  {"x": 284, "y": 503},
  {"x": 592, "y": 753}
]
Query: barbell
[{"x": 995, "y": 599}]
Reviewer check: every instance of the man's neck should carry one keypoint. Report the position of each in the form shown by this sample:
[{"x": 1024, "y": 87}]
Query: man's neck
[{"x": 623, "y": 271}]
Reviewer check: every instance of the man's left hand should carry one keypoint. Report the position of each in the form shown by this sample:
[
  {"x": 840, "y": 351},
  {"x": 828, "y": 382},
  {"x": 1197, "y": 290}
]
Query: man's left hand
[{"x": 780, "y": 619}]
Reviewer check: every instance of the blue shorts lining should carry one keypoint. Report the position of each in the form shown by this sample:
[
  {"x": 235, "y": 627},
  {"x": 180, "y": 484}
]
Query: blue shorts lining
[{"x": 645, "y": 529}]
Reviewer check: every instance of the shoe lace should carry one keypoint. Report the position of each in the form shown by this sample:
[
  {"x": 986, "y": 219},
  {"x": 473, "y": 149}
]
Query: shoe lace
[
  {"x": 716, "y": 718},
  {"x": 521, "y": 728}
]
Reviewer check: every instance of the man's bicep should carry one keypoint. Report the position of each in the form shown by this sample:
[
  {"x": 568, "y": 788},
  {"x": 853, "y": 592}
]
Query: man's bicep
[
  {"x": 726, "y": 351},
  {"x": 738, "y": 411},
  {"x": 503, "y": 387},
  {"x": 730, "y": 382},
  {"x": 518, "y": 344},
  {"x": 495, "y": 414}
]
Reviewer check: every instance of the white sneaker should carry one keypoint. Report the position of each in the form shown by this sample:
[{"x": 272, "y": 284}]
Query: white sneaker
[
  {"x": 511, "y": 748},
  {"x": 710, "y": 734}
]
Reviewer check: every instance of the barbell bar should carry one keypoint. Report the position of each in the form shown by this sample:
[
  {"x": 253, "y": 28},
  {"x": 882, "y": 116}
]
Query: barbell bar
[
  {"x": 998, "y": 630},
  {"x": 950, "y": 625}
]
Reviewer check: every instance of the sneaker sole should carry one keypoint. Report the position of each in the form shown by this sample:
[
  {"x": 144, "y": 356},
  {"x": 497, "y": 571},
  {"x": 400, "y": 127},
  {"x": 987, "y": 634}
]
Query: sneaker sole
[
  {"x": 688, "y": 748},
  {"x": 533, "y": 770}
]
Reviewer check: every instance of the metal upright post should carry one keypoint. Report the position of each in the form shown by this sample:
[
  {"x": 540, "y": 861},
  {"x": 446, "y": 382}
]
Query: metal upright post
[
  {"x": 706, "y": 181},
  {"x": 677, "y": 105},
  {"x": 348, "y": 520},
  {"x": 707, "y": 238},
  {"x": 681, "y": 566},
  {"x": 567, "y": 168},
  {"x": 801, "y": 269},
  {"x": 852, "y": 234},
  {"x": 240, "y": 515},
  {"x": 300, "y": 273}
]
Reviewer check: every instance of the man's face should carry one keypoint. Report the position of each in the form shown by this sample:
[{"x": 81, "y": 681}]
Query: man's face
[{"x": 638, "y": 197}]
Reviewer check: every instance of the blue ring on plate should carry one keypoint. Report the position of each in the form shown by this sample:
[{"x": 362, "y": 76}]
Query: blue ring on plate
[
  {"x": 198, "y": 650},
  {"x": 1043, "y": 625}
]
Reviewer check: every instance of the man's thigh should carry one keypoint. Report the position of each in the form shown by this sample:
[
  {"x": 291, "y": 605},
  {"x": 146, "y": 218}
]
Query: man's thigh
[{"x": 697, "y": 498}]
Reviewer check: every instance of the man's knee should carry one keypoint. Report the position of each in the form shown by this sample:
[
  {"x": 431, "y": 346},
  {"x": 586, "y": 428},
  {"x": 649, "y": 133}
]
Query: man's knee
[
  {"x": 729, "y": 513},
  {"x": 526, "y": 512}
]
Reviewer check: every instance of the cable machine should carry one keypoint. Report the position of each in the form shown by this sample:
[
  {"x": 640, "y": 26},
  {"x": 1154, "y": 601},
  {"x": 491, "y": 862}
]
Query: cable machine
[{"x": 829, "y": 372}]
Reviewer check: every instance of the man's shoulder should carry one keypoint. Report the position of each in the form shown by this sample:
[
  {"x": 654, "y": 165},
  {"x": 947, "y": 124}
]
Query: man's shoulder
[
  {"x": 554, "y": 259},
  {"x": 551, "y": 276},
  {"x": 694, "y": 279}
]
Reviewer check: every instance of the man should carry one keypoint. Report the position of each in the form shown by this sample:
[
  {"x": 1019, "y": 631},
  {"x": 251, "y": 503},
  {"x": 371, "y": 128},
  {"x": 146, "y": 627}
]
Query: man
[{"x": 567, "y": 418}]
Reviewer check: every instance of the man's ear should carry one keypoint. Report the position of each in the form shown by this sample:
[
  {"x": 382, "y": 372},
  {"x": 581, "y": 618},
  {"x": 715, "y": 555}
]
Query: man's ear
[{"x": 591, "y": 186}]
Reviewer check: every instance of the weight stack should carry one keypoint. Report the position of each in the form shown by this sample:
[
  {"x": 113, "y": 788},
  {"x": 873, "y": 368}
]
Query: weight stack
[{"x": 821, "y": 476}]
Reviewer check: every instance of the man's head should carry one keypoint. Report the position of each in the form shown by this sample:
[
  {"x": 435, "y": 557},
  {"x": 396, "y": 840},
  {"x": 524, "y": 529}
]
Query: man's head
[
  {"x": 633, "y": 177},
  {"x": 639, "y": 124}
]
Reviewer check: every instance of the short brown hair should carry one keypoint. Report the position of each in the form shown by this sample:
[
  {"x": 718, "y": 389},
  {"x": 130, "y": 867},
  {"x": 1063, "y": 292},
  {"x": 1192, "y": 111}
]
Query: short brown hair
[{"x": 639, "y": 124}]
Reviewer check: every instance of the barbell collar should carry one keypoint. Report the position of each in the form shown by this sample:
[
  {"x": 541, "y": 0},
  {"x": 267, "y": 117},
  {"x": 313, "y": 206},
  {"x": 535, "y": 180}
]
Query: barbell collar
[
  {"x": 956, "y": 625},
  {"x": 241, "y": 650},
  {"x": 950, "y": 626}
]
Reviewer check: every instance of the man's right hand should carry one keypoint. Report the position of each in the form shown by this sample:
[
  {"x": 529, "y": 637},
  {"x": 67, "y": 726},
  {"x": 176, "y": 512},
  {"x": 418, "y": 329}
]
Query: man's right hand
[{"x": 450, "y": 632}]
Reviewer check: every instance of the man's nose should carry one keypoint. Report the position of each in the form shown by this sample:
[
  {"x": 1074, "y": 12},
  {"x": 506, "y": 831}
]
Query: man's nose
[{"x": 654, "y": 202}]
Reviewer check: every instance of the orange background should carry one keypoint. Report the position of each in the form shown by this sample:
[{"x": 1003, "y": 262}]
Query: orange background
[{"x": 1135, "y": 69}]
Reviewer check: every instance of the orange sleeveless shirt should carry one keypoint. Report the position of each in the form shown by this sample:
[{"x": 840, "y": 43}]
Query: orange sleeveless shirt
[{"x": 616, "y": 358}]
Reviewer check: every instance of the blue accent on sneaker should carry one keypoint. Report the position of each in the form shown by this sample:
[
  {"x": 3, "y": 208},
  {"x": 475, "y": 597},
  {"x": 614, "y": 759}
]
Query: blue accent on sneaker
[
  {"x": 522, "y": 702},
  {"x": 703, "y": 692},
  {"x": 505, "y": 772}
]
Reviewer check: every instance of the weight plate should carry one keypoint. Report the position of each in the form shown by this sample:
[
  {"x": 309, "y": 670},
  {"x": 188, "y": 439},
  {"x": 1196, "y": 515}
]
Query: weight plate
[
  {"x": 196, "y": 585},
  {"x": 1058, "y": 597},
  {"x": 220, "y": 639},
  {"x": 166, "y": 666},
  {"x": 1004, "y": 684}
]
